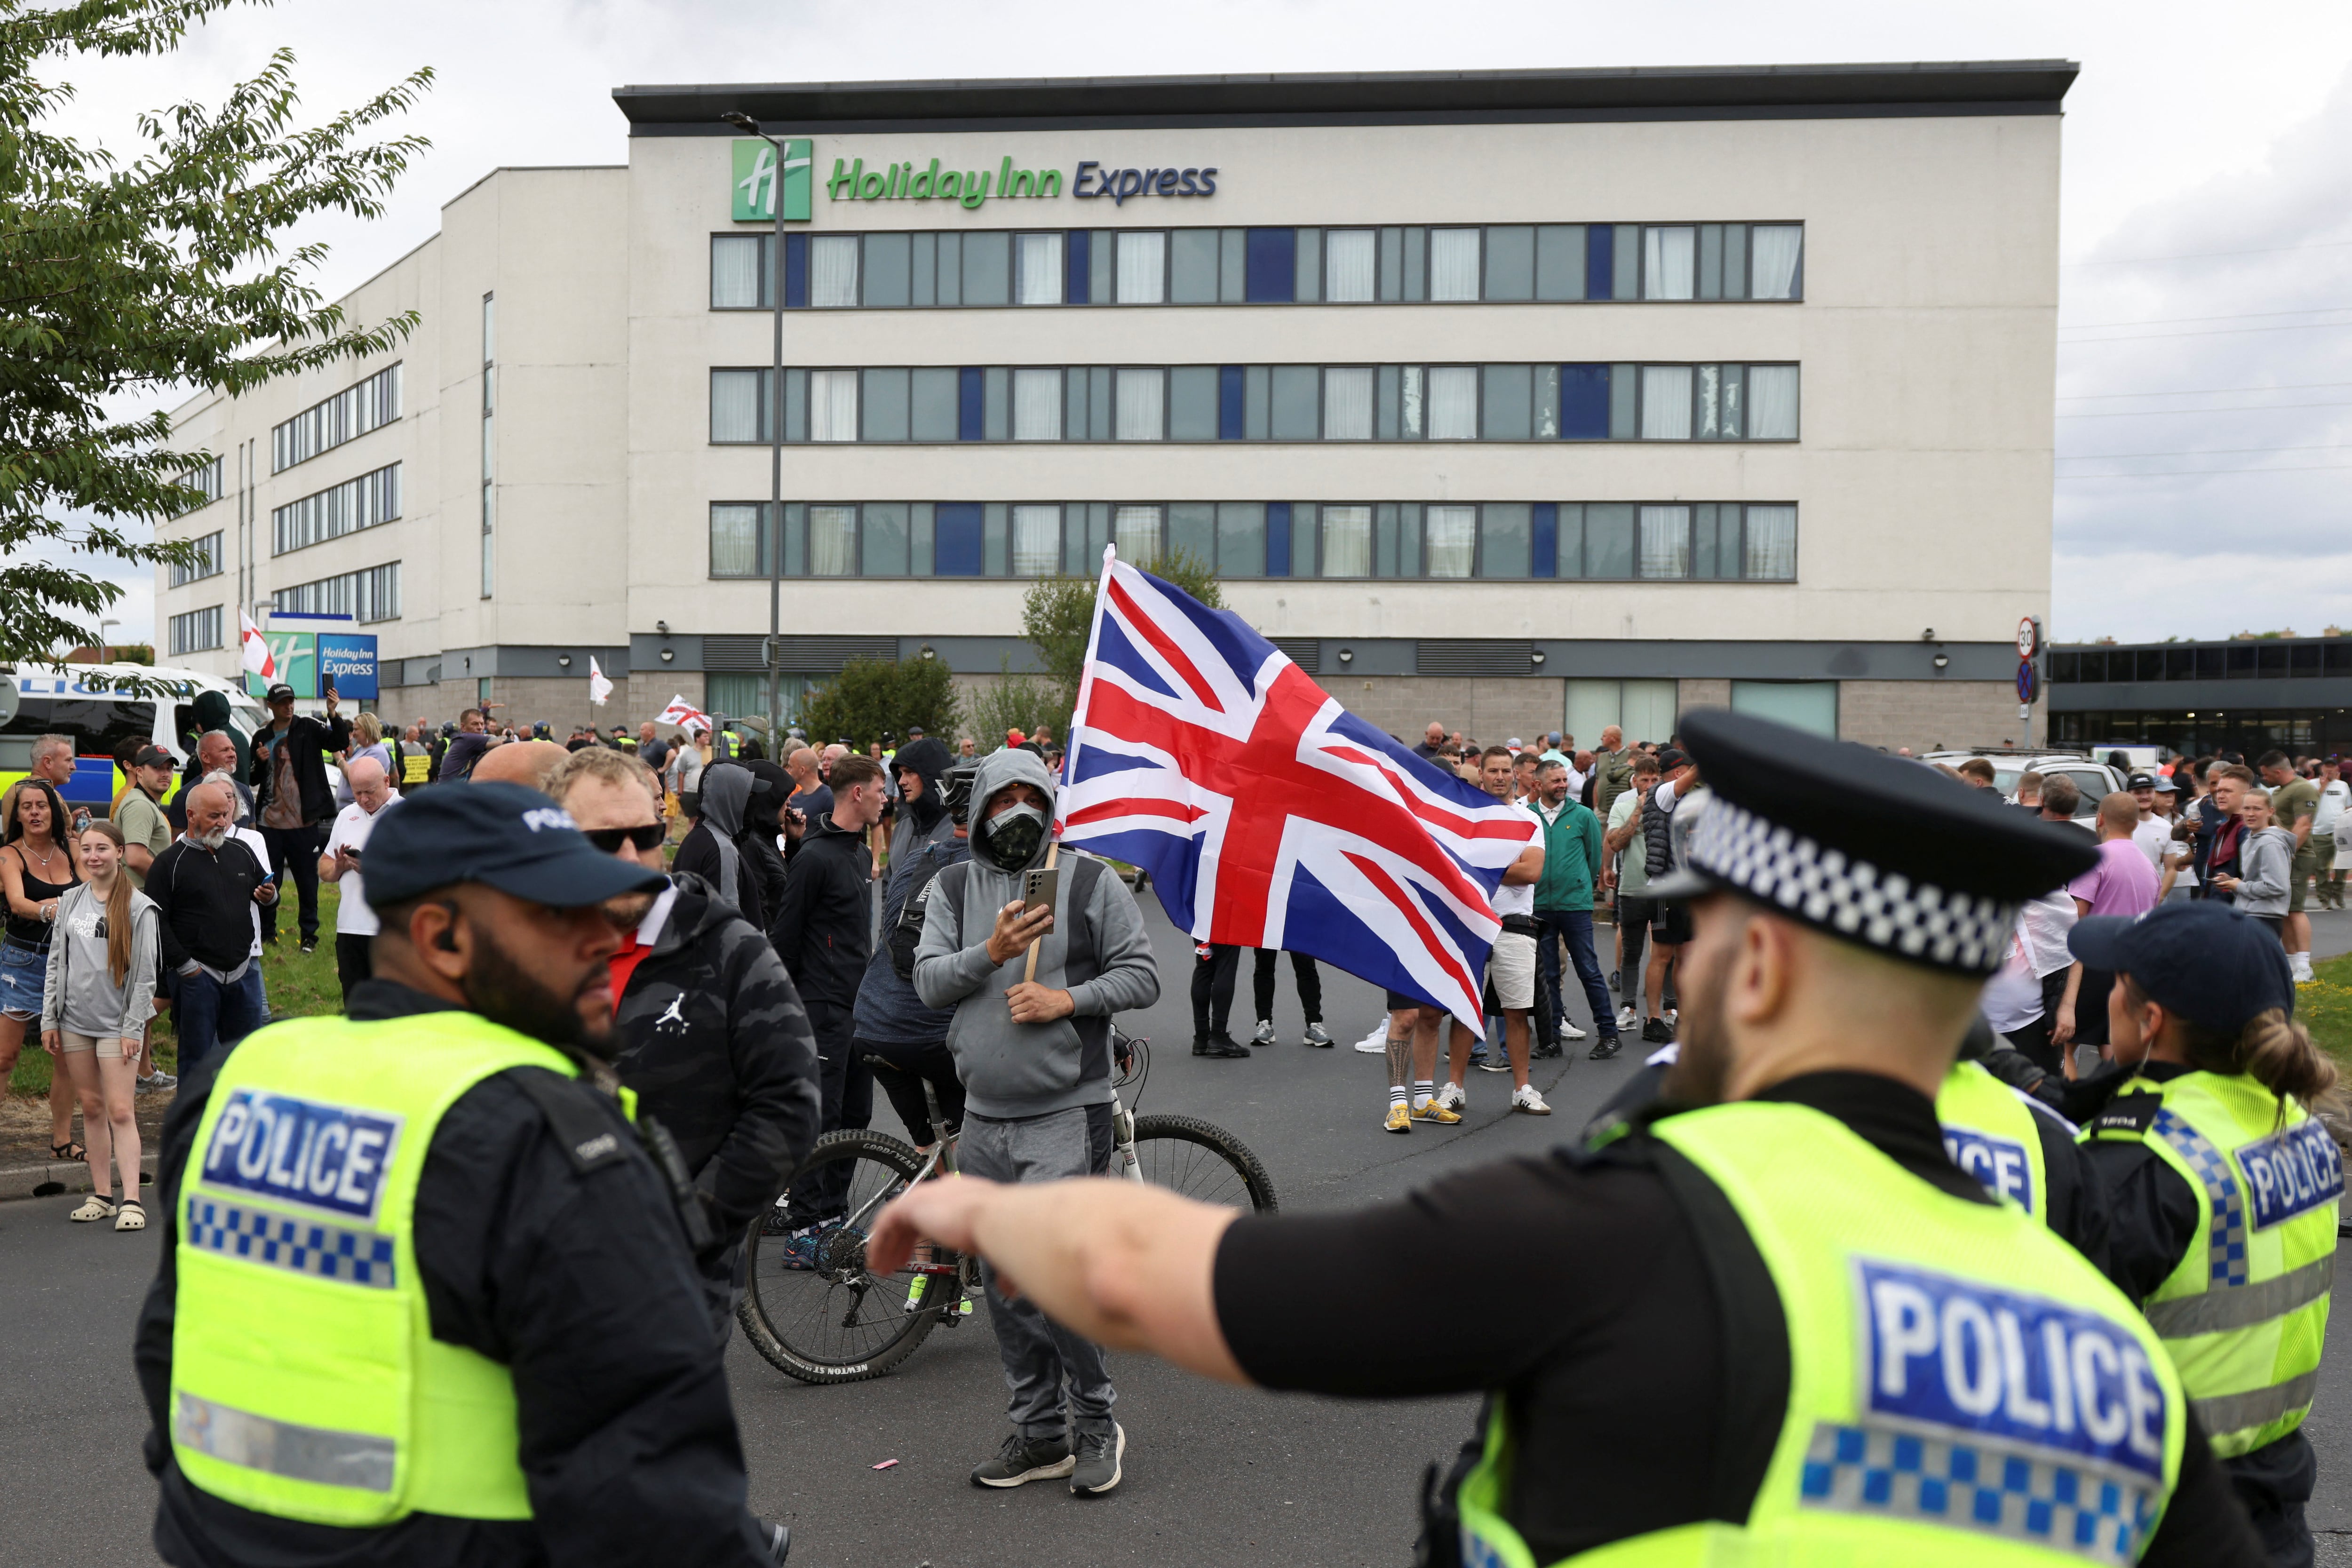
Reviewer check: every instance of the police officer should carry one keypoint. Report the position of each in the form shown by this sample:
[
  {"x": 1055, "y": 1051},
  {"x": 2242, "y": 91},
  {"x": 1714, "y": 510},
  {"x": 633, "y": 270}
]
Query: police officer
[
  {"x": 2224, "y": 1189},
  {"x": 424, "y": 1297},
  {"x": 1784, "y": 1327}
]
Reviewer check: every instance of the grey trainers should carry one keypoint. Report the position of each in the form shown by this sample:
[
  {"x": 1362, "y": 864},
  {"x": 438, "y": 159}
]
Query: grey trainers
[
  {"x": 1098, "y": 1466},
  {"x": 1264, "y": 1033},
  {"x": 158, "y": 1080},
  {"x": 1318, "y": 1036},
  {"x": 1024, "y": 1460}
]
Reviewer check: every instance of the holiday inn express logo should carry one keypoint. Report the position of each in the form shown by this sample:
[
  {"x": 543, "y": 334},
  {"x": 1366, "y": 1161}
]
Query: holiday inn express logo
[{"x": 756, "y": 177}]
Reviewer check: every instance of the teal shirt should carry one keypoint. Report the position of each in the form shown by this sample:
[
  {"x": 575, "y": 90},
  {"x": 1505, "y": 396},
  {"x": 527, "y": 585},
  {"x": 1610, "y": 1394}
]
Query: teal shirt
[{"x": 1571, "y": 857}]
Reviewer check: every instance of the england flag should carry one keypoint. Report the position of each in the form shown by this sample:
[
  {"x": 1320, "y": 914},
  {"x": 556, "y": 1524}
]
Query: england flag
[{"x": 1269, "y": 816}]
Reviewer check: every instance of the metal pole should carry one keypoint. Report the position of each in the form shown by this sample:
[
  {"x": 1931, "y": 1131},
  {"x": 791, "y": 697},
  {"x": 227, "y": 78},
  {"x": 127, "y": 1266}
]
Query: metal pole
[{"x": 776, "y": 475}]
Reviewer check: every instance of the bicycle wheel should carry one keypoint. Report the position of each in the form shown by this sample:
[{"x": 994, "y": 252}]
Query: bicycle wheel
[
  {"x": 837, "y": 1323},
  {"x": 1186, "y": 1154}
]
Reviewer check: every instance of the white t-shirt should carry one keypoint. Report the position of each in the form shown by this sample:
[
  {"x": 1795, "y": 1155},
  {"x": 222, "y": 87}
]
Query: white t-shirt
[
  {"x": 2012, "y": 998},
  {"x": 352, "y": 825},
  {"x": 2045, "y": 924},
  {"x": 2152, "y": 835},
  {"x": 252, "y": 839},
  {"x": 1518, "y": 900},
  {"x": 2333, "y": 798}
]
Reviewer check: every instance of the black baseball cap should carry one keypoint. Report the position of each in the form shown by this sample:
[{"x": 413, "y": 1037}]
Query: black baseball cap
[
  {"x": 503, "y": 836},
  {"x": 2140, "y": 781},
  {"x": 2203, "y": 961},
  {"x": 281, "y": 692},
  {"x": 154, "y": 757},
  {"x": 1671, "y": 759}
]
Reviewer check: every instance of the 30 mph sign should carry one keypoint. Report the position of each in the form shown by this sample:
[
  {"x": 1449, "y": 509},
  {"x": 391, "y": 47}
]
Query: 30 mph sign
[{"x": 2028, "y": 637}]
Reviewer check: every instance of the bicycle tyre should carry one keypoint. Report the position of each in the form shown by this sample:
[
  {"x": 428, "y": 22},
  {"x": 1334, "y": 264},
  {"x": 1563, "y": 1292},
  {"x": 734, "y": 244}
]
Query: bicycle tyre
[
  {"x": 1197, "y": 1175},
  {"x": 783, "y": 1310}
]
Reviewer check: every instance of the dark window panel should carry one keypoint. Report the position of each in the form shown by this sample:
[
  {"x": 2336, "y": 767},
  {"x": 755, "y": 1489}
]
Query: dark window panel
[
  {"x": 2340, "y": 655},
  {"x": 971, "y": 412},
  {"x": 2273, "y": 661},
  {"x": 1584, "y": 399},
  {"x": 796, "y": 272},
  {"x": 1273, "y": 267},
  {"x": 2241, "y": 661},
  {"x": 1277, "y": 539},
  {"x": 1229, "y": 403},
  {"x": 2305, "y": 658},
  {"x": 2181, "y": 664},
  {"x": 959, "y": 539},
  {"x": 1600, "y": 260},
  {"x": 2065, "y": 669},
  {"x": 1076, "y": 270},
  {"x": 1543, "y": 541},
  {"x": 2149, "y": 664},
  {"x": 2213, "y": 664}
]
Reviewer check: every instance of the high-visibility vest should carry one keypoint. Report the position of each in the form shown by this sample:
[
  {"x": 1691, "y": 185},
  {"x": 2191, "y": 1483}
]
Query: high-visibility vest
[
  {"x": 306, "y": 1382},
  {"x": 1964, "y": 1390},
  {"x": 2245, "y": 1313},
  {"x": 1989, "y": 1133}
]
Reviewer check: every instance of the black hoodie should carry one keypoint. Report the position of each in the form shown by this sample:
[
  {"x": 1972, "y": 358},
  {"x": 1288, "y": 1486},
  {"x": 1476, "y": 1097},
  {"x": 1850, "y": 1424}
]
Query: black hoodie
[{"x": 821, "y": 928}]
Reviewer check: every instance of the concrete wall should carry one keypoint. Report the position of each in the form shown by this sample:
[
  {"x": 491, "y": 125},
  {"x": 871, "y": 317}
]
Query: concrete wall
[{"x": 1934, "y": 714}]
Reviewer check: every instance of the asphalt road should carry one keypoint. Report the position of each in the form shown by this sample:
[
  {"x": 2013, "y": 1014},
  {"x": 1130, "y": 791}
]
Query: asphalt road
[{"x": 1213, "y": 1475}]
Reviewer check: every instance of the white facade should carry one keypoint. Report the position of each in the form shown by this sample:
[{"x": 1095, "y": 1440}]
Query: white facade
[{"x": 1919, "y": 470}]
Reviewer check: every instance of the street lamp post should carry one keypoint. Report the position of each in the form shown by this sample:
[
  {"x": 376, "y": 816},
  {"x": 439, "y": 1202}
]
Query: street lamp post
[{"x": 775, "y": 531}]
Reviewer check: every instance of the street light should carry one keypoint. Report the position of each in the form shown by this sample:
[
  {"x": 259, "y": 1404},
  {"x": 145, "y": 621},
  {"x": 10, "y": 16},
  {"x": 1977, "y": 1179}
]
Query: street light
[
  {"x": 775, "y": 647},
  {"x": 103, "y": 645}
]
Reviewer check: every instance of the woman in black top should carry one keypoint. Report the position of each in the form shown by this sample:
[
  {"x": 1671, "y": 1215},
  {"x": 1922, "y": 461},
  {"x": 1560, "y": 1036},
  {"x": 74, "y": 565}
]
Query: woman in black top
[{"x": 35, "y": 870}]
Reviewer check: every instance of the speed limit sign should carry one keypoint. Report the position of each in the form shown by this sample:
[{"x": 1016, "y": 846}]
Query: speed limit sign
[{"x": 2029, "y": 637}]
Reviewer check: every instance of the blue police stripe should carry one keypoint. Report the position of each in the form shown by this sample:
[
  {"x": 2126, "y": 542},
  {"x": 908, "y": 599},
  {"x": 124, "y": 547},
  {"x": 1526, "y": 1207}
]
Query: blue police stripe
[
  {"x": 2292, "y": 1173},
  {"x": 296, "y": 1246},
  {"x": 1989, "y": 1488},
  {"x": 2225, "y": 1244}
]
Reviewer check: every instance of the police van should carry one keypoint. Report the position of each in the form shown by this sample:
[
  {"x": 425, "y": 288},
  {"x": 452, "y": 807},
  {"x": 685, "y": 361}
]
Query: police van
[{"x": 89, "y": 704}]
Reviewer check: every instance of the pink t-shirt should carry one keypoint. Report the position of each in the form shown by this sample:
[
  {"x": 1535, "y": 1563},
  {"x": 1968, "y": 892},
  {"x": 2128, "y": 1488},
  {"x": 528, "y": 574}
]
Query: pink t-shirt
[{"x": 2122, "y": 883}]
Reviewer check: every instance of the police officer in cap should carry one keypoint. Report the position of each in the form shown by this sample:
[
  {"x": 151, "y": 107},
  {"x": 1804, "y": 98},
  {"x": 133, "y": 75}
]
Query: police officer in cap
[
  {"x": 425, "y": 1296},
  {"x": 2223, "y": 1187},
  {"x": 1781, "y": 1328}
]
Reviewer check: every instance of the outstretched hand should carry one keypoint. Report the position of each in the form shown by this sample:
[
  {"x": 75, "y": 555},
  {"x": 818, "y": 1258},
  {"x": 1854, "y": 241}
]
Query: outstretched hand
[{"x": 946, "y": 1211}]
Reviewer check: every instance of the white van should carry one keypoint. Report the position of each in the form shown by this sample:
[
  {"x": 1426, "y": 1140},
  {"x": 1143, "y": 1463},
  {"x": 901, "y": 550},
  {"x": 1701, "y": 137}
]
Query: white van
[{"x": 86, "y": 702}]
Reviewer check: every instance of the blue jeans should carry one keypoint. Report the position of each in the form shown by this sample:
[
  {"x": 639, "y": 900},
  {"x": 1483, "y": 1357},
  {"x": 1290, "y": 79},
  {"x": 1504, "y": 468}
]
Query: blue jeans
[
  {"x": 1574, "y": 927},
  {"x": 209, "y": 1016}
]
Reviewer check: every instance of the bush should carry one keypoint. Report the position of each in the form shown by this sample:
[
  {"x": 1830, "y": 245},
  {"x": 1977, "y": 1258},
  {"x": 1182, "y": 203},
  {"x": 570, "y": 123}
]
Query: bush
[
  {"x": 1058, "y": 615},
  {"x": 1015, "y": 702},
  {"x": 878, "y": 699}
]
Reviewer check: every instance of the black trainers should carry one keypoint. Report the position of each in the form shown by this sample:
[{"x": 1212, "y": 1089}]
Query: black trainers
[
  {"x": 1220, "y": 1043},
  {"x": 1605, "y": 1049},
  {"x": 1097, "y": 1468},
  {"x": 1025, "y": 1459},
  {"x": 1653, "y": 1032}
]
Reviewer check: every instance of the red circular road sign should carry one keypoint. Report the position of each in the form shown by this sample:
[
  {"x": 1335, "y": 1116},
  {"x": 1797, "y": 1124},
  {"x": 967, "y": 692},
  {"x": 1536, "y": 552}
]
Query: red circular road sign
[{"x": 2028, "y": 637}]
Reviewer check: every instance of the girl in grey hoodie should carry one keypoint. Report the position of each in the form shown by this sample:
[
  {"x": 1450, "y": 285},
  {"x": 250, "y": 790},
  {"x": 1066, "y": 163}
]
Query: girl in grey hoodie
[
  {"x": 99, "y": 993},
  {"x": 2264, "y": 864}
]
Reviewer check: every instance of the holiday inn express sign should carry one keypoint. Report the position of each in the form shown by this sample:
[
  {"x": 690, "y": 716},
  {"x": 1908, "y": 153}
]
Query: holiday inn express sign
[{"x": 756, "y": 179}]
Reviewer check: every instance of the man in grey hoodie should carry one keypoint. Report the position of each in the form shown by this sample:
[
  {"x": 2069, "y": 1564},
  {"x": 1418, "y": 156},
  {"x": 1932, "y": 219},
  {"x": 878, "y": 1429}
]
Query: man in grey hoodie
[{"x": 1035, "y": 1057}]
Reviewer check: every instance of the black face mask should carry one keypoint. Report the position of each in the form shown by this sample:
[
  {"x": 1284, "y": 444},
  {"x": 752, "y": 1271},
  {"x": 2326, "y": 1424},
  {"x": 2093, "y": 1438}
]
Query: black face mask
[{"x": 1009, "y": 840}]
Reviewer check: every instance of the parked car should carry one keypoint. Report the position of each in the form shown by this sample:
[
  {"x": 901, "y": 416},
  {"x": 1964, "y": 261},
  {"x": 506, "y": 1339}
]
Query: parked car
[{"x": 2094, "y": 779}]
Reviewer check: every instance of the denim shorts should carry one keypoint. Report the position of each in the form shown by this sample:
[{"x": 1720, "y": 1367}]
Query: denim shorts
[{"x": 23, "y": 972}]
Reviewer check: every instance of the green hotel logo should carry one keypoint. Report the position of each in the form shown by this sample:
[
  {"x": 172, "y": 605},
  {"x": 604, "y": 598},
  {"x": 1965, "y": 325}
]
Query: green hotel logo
[{"x": 756, "y": 177}]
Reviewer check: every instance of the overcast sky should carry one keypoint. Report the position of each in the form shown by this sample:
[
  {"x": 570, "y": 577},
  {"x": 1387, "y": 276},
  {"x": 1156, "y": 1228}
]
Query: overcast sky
[{"x": 2205, "y": 362}]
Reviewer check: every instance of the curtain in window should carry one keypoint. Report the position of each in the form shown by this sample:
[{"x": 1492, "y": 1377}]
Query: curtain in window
[
  {"x": 1037, "y": 541},
  {"x": 1141, "y": 405},
  {"x": 734, "y": 407},
  {"x": 1665, "y": 403},
  {"x": 1670, "y": 262},
  {"x": 1666, "y": 542},
  {"x": 1453, "y": 411},
  {"x": 1037, "y": 270},
  {"x": 1347, "y": 542},
  {"x": 1036, "y": 405},
  {"x": 832, "y": 271},
  {"x": 1453, "y": 540},
  {"x": 1136, "y": 530},
  {"x": 1772, "y": 252},
  {"x": 1350, "y": 268},
  {"x": 735, "y": 542},
  {"x": 1348, "y": 404},
  {"x": 1772, "y": 403},
  {"x": 1142, "y": 268},
  {"x": 833, "y": 405},
  {"x": 735, "y": 271},
  {"x": 1771, "y": 555},
  {"x": 1453, "y": 264},
  {"x": 832, "y": 540}
]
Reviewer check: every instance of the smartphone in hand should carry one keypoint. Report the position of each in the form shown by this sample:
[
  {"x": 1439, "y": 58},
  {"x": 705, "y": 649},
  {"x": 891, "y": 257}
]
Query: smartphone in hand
[{"x": 1036, "y": 890}]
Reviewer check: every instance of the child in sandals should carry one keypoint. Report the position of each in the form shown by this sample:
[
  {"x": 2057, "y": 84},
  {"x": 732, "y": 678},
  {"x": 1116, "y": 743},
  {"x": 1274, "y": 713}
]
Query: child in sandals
[{"x": 99, "y": 993}]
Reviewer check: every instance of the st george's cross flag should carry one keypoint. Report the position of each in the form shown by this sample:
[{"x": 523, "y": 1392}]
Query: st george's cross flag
[
  {"x": 1269, "y": 816},
  {"x": 684, "y": 714},
  {"x": 600, "y": 686},
  {"x": 253, "y": 649}
]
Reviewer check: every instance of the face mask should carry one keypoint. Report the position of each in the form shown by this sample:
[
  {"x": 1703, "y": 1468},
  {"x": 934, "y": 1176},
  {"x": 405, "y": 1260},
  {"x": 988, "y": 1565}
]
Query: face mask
[{"x": 1012, "y": 837}]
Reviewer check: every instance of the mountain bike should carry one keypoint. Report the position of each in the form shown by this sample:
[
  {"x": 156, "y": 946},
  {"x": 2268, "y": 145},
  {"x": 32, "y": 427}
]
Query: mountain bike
[{"x": 839, "y": 1321}]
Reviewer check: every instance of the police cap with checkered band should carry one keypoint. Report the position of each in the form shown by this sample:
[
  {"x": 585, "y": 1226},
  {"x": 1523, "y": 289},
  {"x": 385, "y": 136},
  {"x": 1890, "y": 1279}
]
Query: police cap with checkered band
[
  {"x": 504, "y": 835},
  {"x": 1876, "y": 850}
]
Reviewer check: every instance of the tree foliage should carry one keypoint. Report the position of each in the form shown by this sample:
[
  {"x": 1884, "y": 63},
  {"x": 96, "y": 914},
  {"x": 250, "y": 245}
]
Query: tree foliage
[
  {"x": 1020, "y": 702},
  {"x": 1058, "y": 615},
  {"x": 133, "y": 278},
  {"x": 879, "y": 699}
]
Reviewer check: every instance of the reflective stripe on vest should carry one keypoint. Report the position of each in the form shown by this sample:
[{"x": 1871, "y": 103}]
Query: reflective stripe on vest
[
  {"x": 2245, "y": 1313},
  {"x": 1965, "y": 1390},
  {"x": 1989, "y": 1133},
  {"x": 306, "y": 1381}
]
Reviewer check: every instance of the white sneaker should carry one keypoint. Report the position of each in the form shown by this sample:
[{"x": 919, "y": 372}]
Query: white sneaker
[
  {"x": 1569, "y": 1031},
  {"x": 1625, "y": 1020},
  {"x": 1375, "y": 1044},
  {"x": 1525, "y": 1098},
  {"x": 1451, "y": 1098}
]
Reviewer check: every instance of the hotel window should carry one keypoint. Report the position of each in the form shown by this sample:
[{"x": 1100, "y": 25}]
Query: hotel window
[
  {"x": 1351, "y": 270},
  {"x": 205, "y": 478},
  {"x": 1452, "y": 403},
  {"x": 1666, "y": 401},
  {"x": 1036, "y": 405},
  {"x": 366, "y": 596},
  {"x": 1141, "y": 405},
  {"x": 1037, "y": 541},
  {"x": 1670, "y": 262},
  {"x": 1773, "y": 402},
  {"x": 330, "y": 513},
  {"x": 1452, "y": 535},
  {"x": 351, "y": 413},
  {"x": 490, "y": 442},
  {"x": 832, "y": 540},
  {"x": 1776, "y": 268},
  {"x": 1136, "y": 530},
  {"x": 1037, "y": 267},
  {"x": 1453, "y": 264},
  {"x": 194, "y": 632},
  {"x": 832, "y": 271},
  {"x": 739, "y": 544},
  {"x": 1142, "y": 268},
  {"x": 1347, "y": 402},
  {"x": 833, "y": 405},
  {"x": 1347, "y": 542},
  {"x": 206, "y": 563}
]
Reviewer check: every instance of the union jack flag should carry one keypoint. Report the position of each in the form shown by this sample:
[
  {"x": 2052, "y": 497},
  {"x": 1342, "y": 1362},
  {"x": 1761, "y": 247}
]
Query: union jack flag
[{"x": 1269, "y": 816}]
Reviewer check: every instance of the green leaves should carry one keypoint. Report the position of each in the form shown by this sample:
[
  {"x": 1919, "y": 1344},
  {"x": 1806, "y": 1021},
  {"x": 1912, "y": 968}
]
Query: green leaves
[
  {"x": 133, "y": 278},
  {"x": 878, "y": 699},
  {"x": 1059, "y": 612}
]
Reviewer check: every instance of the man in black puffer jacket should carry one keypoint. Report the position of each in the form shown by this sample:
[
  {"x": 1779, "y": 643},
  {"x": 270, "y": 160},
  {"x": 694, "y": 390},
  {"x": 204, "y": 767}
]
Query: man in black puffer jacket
[{"x": 711, "y": 1033}]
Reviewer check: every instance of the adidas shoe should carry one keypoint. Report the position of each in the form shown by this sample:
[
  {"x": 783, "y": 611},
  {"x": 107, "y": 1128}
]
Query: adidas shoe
[
  {"x": 1525, "y": 1098},
  {"x": 1400, "y": 1120},
  {"x": 1452, "y": 1097},
  {"x": 1437, "y": 1110}
]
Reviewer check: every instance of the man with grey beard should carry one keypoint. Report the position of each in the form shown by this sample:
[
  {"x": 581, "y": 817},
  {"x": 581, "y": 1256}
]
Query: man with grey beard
[{"x": 204, "y": 886}]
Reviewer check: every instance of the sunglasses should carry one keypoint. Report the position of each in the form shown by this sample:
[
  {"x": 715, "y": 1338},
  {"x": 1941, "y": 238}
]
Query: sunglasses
[{"x": 610, "y": 839}]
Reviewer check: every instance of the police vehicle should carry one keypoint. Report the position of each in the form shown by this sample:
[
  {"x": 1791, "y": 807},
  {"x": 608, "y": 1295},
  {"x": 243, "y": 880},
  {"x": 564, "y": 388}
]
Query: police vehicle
[{"x": 89, "y": 702}]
